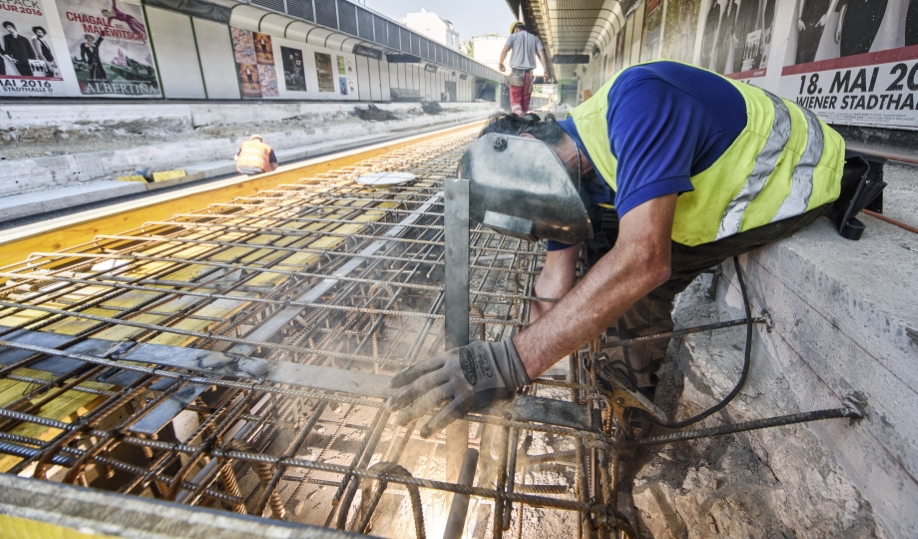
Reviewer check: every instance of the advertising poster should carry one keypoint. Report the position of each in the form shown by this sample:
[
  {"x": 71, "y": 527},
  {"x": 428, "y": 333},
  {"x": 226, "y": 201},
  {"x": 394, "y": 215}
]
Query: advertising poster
[
  {"x": 854, "y": 62},
  {"x": 737, "y": 37},
  {"x": 28, "y": 62},
  {"x": 342, "y": 85},
  {"x": 681, "y": 23},
  {"x": 267, "y": 78},
  {"x": 324, "y": 72},
  {"x": 653, "y": 21},
  {"x": 109, "y": 47},
  {"x": 254, "y": 56},
  {"x": 264, "y": 54},
  {"x": 294, "y": 71}
]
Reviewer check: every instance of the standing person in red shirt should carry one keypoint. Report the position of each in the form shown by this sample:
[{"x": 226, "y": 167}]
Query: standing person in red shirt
[{"x": 526, "y": 47}]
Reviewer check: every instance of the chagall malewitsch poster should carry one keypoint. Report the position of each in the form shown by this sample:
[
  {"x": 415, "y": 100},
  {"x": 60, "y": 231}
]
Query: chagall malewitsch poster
[{"x": 109, "y": 47}]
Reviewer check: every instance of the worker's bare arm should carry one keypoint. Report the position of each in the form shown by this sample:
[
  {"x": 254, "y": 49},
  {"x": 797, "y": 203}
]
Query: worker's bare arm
[
  {"x": 544, "y": 61},
  {"x": 639, "y": 262},
  {"x": 556, "y": 280},
  {"x": 503, "y": 56}
]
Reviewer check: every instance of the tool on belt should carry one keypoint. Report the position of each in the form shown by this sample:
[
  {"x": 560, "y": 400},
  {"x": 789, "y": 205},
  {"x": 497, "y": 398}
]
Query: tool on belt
[{"x": 861, "y": 188}]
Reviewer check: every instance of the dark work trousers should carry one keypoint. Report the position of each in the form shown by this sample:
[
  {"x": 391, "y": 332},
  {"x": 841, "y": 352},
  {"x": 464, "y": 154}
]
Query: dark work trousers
[{"x": 653, "y": 313}]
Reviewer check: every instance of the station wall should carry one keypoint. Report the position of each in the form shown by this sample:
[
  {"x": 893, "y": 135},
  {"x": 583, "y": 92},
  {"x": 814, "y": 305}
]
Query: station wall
[
  {"x": 123, "y": 49},
  {"x": 852, "y": 63}
]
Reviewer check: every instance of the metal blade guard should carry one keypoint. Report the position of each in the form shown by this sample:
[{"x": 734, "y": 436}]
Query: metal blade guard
[{"x": 519, "y": 187}]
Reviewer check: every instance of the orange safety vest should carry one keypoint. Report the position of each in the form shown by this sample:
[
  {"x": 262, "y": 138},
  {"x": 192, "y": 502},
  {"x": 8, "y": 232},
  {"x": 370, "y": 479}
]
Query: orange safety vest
[{"x": 254, "y": 154}]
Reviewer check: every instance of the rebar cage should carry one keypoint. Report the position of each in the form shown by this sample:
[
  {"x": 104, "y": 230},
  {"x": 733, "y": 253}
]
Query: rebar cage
[{"x": 238, "y": 357}]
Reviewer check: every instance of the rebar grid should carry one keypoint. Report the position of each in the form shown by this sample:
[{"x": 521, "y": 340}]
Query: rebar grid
[{"x": 236, "y": 358}]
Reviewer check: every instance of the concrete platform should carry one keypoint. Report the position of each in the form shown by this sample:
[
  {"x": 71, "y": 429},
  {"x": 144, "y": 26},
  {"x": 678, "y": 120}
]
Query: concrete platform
[
  {"x": 192, "y": 135},
  {"x": 19, "y": 206}
]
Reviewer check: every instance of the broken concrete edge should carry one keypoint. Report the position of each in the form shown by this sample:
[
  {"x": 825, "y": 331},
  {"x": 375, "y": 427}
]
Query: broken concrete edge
[
  {"x": 835, "y": 333},
  {"x": 31, "y": 204},
  {"x": 41, "y": 508}
]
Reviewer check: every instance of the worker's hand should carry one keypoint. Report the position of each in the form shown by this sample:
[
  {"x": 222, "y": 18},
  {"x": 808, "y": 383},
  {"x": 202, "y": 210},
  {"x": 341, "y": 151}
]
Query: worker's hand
[
  {"x": 464, "y": 378},
  {"x": 500, "y": 67}
]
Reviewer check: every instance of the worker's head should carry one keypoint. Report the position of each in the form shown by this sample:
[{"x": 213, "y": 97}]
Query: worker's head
[
  {"x": 256, "y": 137},
  {"x": 517, "y": 26},
  {"x": 518, "y": 183},
  {"x": 528, "y": 125}
]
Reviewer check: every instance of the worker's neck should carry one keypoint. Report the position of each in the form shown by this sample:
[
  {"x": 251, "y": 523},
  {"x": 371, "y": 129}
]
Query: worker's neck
[{"x": 566, "y": 149}]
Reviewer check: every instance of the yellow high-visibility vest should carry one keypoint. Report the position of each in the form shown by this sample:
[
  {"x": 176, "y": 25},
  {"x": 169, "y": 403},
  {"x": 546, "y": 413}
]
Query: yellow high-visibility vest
[
  {"x": 254, "y": 154},
  {"x": 785, "y": 162}
]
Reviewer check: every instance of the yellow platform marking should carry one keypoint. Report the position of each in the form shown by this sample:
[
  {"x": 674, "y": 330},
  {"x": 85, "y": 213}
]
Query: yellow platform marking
[{"x": 22, "y": 528}]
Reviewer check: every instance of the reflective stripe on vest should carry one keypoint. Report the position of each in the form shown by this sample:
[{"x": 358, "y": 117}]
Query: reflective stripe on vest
[
  {"x": 784, "y": 162},
  {"x": 254, "y": 154}
]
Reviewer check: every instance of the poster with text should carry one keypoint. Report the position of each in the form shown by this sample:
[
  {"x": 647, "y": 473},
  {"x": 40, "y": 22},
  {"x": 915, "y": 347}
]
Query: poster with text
[
  {"x": 109, "y": 47},
  {"x": 736, "y": 37},
  {"x": 264, "y": 53},
  {"x": 855, "y": 62},
  {"x": 324, "y": 73},
  {"x": 29, "y": 65},
  {"x": 653, "y": 21},
  {"x": 249, "y": 81},
  {"x": 681, "y": 23},
  {"x": 294, "y": 72}
]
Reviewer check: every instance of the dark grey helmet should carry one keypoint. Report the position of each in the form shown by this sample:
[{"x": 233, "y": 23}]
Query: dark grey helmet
[{"x": 519, "y": 187}]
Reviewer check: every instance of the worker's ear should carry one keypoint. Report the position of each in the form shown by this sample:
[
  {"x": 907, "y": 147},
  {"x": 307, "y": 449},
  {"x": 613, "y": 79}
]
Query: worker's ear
[{"x": 526, "y": 135}]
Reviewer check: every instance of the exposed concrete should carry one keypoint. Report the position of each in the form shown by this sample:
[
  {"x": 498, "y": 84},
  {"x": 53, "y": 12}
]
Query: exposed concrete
[
  {"x": 840, "y": 312},
  {"x": 901, "y": 194},
  {"x": 185, "y": 135}
]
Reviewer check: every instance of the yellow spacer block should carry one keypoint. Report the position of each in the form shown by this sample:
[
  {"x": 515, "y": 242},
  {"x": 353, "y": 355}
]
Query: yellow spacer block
[
  {"x": 133, "y": 178},
  {"x": 167, "y": 175}
]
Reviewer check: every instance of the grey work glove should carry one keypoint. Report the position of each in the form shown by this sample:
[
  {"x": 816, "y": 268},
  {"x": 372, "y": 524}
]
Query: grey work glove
[{"x": 464, "y": 378}]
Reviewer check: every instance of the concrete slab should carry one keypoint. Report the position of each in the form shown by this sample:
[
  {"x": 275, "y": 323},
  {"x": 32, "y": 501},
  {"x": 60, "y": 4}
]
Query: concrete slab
[
  {"x": 844, "y": 320},
  {"x": 19, "y": 206}
]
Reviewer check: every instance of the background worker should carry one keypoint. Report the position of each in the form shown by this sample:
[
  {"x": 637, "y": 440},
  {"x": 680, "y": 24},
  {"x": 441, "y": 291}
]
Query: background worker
[
  {"x": 255, "y": 157},
  {"x": 526, "y": 47},
  {"x": 694, "y": 180}
]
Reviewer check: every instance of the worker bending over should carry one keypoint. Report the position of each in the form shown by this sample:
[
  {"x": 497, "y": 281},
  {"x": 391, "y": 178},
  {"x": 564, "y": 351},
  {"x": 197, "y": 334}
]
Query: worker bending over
[
  {"x": 255, "y": 157},
  {"x": 526, "y": 47},
  {"x": 680, "y": 169}
]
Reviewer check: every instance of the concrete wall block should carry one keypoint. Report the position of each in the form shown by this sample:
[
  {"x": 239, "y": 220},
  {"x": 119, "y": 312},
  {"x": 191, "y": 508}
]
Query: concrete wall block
[
  {"x": 835, "y": 333},
  {"x": 76, "y": 115},
  {"x": 841, "y": 364}
]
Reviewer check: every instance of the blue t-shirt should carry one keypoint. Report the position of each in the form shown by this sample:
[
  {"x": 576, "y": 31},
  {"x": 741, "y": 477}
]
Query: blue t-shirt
[{"x": 667, "y": 123}]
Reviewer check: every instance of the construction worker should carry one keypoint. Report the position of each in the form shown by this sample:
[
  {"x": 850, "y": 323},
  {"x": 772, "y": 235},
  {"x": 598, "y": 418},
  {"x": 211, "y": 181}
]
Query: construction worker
[
  {"x": 526, "y": 47},
  {"x": 680, "y": 169},
  {"x": 255, "y": 157}
]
